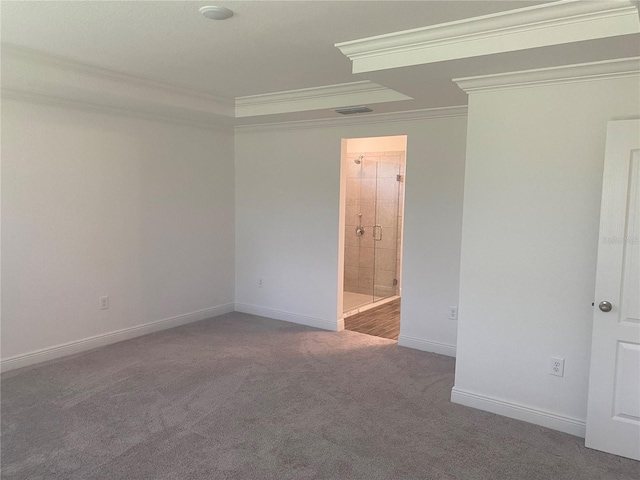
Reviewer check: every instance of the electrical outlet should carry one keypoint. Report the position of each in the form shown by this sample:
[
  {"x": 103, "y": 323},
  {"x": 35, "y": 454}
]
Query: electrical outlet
[
  {"x": 453, "y": 313},
  {"x": 260, "y": 283},
  {"x": 104, "y": 303},
  {"x": 557, "y": 367}
]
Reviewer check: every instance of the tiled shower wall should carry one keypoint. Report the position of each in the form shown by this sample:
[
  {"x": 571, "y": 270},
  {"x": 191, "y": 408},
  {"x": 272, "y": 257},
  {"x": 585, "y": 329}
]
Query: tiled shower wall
[{"x": 374, "y": 180}]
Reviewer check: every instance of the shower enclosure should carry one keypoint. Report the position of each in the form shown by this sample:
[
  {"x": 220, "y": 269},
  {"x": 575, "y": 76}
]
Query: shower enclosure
[{"x": 373, "y": 227}]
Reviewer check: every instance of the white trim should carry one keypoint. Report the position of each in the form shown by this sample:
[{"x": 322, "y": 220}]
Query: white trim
[
  {"x": 77, "y": 346},
  {"x": 364, "y": 119},
  {"x": 10, "y": 51},
  {"x": 333, "y": 326},
  {"x": 67, "y": 102},
  {"x": 46, "y": 78},
  {"x": 554, "y": 23},
  {"x": 427, "y": 345},
  {"x": 582, "y": 72},
  {"x": 562, "y": 423},
  {"x": 316, "y": 98}
]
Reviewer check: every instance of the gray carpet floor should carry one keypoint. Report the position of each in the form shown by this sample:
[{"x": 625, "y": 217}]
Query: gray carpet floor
[{"x": 244, "y": 397}]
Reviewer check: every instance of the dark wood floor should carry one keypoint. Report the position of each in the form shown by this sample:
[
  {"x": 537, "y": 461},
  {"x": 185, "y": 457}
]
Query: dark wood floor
[{"x": 382, "y": 321}]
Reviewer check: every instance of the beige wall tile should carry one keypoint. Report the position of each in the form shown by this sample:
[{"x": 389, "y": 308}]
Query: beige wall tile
[
  {"x": 385, "y": 259},
  {"x": 351, "y": 287},
  {"x": 351, "y": 255},
  {"x": 388, "y": 170},
  {"x": 351, "y": 215},
  {"x": 369, "y": 168},
  {"x": 365, "y": 277},
  {"x": 368, "y": 211},
  {"x": 384, "y": 291},
  {"x": 351, "y": 276},
  {"x": 367, "y": 190},
  {"x": 387, "y": 215},
  {"x": 384, "y": 277},
  {"x": 387, "y": 190},
  {"x": 350, "y": 237},
  {"x": 353, "y": 169},
  {"x": 364, "y": 290},
  {"x": 366, "y": 257},
  {"x": 353, "y": 190}
]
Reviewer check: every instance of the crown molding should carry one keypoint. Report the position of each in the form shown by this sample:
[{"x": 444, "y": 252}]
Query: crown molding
[
  {"x": 45, "y": 75},
  {"x": 31, "y": 70},
  {"x": 316, "y": 98},
  {"x": 366, "y": 119},
  {"x": 12, "y": 52},
  {"x": 555, "y": 23},
  {"x": 583, "y": 72},
  {"x": 68, "y": 102}
]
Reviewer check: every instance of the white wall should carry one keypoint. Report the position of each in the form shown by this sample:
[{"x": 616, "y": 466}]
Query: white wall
[
  {"x": 96, "y": 204},
  {"x": 530, "y": 236},
  {"x": 287, "y": 224}
]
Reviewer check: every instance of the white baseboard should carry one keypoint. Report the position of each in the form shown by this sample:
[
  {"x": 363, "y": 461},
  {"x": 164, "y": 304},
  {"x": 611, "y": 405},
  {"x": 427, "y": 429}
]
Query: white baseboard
[
  {"x": 572, "y": 426},
  {"x": 334, "y": 325},
  {"x": 103, "y": 339},
  {"x": 427, "y": 346}
]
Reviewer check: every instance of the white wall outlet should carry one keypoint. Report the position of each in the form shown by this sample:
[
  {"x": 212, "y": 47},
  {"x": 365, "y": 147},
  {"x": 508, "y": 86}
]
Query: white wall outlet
[
  {"x": 260, "y": 283},
  {"x": 104, "y": 303},
  {"x": 557, "y": 367},
  {"x": 453, "y": 313}
]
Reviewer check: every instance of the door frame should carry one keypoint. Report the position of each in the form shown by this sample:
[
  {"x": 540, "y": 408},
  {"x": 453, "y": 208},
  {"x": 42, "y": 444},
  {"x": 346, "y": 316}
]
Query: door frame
[{"x": 342, "y": 227}]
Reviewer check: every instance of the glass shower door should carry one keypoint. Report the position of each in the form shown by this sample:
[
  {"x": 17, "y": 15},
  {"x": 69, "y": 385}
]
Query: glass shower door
[
  {"x": 372, "y": 227},
  {"x": 386, "y": 230}
]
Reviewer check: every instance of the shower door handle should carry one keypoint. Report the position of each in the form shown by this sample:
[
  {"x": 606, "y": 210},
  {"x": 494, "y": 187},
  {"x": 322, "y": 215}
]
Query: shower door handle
[{"x": 375, "y": 238}]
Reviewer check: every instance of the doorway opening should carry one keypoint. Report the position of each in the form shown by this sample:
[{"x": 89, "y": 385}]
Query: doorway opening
[{"x": 372, "y": 209}]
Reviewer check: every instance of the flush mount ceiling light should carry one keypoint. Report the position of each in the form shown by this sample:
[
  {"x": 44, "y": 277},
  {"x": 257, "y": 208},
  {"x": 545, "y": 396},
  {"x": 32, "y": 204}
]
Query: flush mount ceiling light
[{"x": 216, "y": 13}]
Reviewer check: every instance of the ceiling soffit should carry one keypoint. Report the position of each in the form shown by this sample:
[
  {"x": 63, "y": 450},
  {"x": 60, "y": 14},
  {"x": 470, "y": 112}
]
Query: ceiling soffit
[
  {"x": 555, "y": 23},
  {"x": 331, "y": 96}
]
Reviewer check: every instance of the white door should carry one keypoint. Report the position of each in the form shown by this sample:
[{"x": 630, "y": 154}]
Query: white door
[{"x": 613, "y": 412}]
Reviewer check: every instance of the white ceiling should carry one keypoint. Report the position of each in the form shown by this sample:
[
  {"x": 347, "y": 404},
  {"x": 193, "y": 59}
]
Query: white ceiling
[{"x": 267, "y": 46}]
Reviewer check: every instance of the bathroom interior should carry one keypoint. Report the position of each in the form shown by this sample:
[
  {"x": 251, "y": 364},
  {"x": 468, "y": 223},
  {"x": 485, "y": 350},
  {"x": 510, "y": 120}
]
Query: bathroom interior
[{"x": 374, "y": 170}]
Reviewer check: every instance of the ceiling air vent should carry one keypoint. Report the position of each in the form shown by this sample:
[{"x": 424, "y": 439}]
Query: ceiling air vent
[{"x": 352, "y": 110}]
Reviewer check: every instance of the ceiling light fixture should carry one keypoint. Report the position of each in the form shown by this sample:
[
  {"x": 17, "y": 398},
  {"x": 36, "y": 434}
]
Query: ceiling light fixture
[{"x": 216, "y": 13}]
